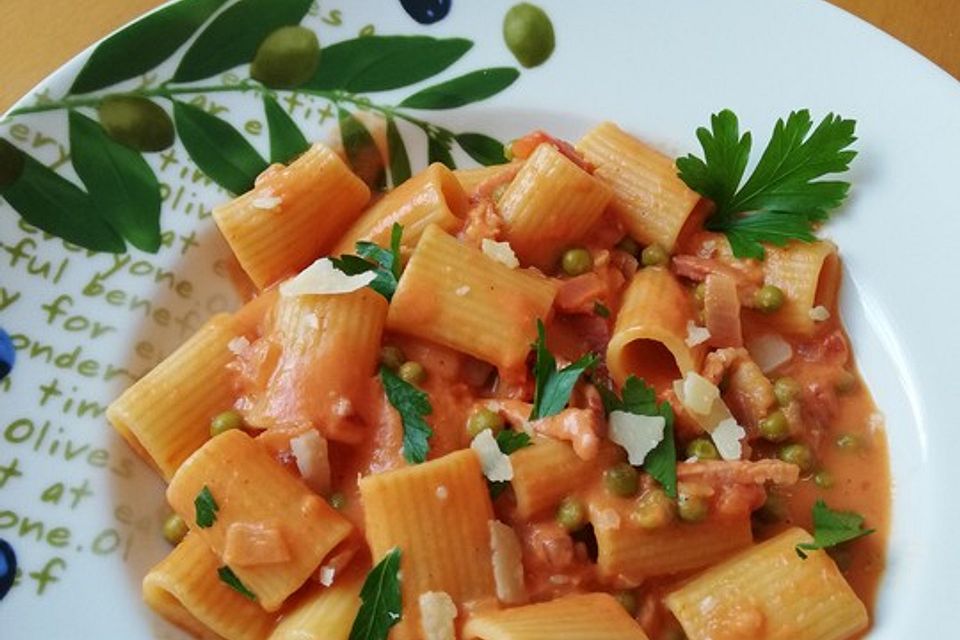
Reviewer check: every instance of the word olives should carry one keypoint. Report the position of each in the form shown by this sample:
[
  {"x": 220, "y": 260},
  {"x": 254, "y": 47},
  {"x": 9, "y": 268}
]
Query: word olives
[
  {"x": 136, "y": 122},
  {"x": 426, "y": 11},
  {"x": 528, "y": 32},
  {"x": 11, "y": 164},
  {"x": 287, "y": 58}
]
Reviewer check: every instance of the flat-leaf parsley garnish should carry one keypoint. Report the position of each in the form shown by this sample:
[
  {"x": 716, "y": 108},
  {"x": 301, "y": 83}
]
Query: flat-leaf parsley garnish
[
  {"x": 372, "y": 257},
  {"x": 831, "y": 528},
  {"x": 381, "y": 606},
  {"x": 206, "y": 508},
  {"x": 638, "y": 398},
  {"x": 553, "y": 387},
  {"x": 228, "y": 577},
  {"x": 412, "y": 404},
  {"x": 782, "y": 199}
]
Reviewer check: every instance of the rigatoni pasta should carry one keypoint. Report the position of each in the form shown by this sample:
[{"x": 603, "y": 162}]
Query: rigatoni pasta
[{"x": 518, "y": 424}]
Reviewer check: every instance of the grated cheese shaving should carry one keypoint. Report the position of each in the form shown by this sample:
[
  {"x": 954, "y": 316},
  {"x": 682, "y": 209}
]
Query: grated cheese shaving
[
  {"x": 727, "y": 436},
  {"x": 496, "y": 465},
  {"x": 327, "y": 574},
  {"x": 437, "y": 613},
  {"x": 769, "y": 351},
  {"x": 507, "y": 558},
  {"x": 819, "y": 313},
  {"x": 310, "y": 453},
  {"x": 696, "y": 334},
  {"x": 699, "y": 394},
  {"x": 638, "y": 435},
  {"x": 322, "y": 278},
  {"x": 238, "y": 345},
  {"x": 462, "y": 291},
  {"x": 502, "y": 252},
  {"x": 267, "y": 203}
]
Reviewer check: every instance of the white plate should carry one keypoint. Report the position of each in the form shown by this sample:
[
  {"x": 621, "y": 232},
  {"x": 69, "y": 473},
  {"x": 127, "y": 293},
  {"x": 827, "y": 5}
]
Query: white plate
[{"x": 657, "y": 68}]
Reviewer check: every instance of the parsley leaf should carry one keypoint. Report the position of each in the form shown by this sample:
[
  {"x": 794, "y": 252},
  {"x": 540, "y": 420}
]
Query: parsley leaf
[
  {"x": 372, "y": 257},
  {"x": 601, "y": 310},
  {"x": 553, "y": 388},
  {"x": 782, "y": 199},
  {"x": 638, "y": 398},
  {"x": 831, "y": 528},
  {"x": 512, "y": 441},
  {"x": 230, "y": 578},
  {"x": 412, "y": 404},
  {"x": 206, "y": 508},
  {"x": 509, "y": 442},
  {"x": 382, "y": 604}
]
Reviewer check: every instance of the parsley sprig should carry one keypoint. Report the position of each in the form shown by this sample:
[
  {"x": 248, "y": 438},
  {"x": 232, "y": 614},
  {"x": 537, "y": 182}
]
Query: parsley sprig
[
  {"x": 228, "y": 577},
  {"x": 553, "y": 387},
  {"x": 782, "y": 199},
  {"x": 206, "y": 508},
  {"x": 381, "y": 606},
  {"x": 638, "y": 398},
  {"x": 831, "y": 528},
  {"x": 412, "y": 404},
  {"x": 372, "y": 257}
]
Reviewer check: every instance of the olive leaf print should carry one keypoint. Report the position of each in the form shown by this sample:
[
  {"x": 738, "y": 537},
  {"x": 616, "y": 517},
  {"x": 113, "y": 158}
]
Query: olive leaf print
[{"x": 119, "y": 202}]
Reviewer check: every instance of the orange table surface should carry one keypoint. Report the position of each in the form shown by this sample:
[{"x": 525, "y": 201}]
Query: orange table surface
[{"x": 38, "y": 37}]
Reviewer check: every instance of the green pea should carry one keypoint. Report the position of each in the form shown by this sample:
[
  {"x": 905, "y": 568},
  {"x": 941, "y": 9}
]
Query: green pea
[
  {"x": 392, "y": 357},
  {"x": 769, "y": 298},
  {"x": 692, "y": 508},
  {"x": 11, "y": 163},
  {"x": 845, "y": 382},
  {"x": 775, "y": 427},
  {"x": 621, "y": 480},
  {"x": 798, "y": 454},
  {"x": 136, "y": 122},
  {"x": 412, "y": 371},
  {"x": 654, "y": 509},
  {"x": 786, "y": 389},
  {"x": 483, "y": 419},
  {"x": 337, "y": 500},
  {"x": 174, "y": 529},
  {"x": 576, "y": 261},
  {"x": 702, "y": 449},
  {"x": 627, "y": 600},
  {"x": 628, "y": 245},
  {"x": 571, "y": 514},
  {"x": 225, "y": 422},
  {"x": 654, "y": 255},
  {"x": 286, "y": 58},
  {"x": 848, "y": 442},
  {"x": 823, "y": 479},
  {"x": 528, "y": 32}
]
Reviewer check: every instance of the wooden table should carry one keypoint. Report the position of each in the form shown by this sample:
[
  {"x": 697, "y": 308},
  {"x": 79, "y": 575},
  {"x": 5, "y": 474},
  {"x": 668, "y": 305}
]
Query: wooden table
[{"x": 932, "y": 27}]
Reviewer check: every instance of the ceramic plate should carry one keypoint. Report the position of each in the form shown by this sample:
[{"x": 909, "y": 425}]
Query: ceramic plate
[{"x": 109, "y": 257}]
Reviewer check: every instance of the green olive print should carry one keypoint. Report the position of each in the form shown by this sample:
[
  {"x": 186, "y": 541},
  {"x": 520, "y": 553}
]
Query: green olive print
[
  {"x": 528, "y": 32},
  {"x": 287, "y": 58},
  {"x": 136, "y": 122}
]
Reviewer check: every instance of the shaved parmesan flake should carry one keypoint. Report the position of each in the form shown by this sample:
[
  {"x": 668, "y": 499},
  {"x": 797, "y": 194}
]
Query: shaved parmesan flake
[
  {"x": 699, "y": 394},
  {"x": 769, "y": 351},
  {"x": 238, "y": 345},
  {"x": 819, "y": 313},
  {"x": 327, "y": 574},
  {"x": 507, "y": 557},
  {"x": 638, "y": 435},
  {"x": 502, "y": 252},
  {"x": 266, "y": 203},
  {"x": 696, "y": 334},
  {"x": 310, "y": 452},
  {"x": 727, "y": 436},
  {"x": 496, "y": 464},
  {"x": 437, "y": 613},
  {"x": 322, "y": 278}
]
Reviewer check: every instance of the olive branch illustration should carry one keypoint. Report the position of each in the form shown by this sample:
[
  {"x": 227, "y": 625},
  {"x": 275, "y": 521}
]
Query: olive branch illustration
[{"x": 120, "y": 201}]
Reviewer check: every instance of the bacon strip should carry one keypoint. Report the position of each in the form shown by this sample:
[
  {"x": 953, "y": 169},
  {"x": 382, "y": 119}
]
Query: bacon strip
[
  {"x": 579, "y": 427},
  {"x": 726, "y": 472}
]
